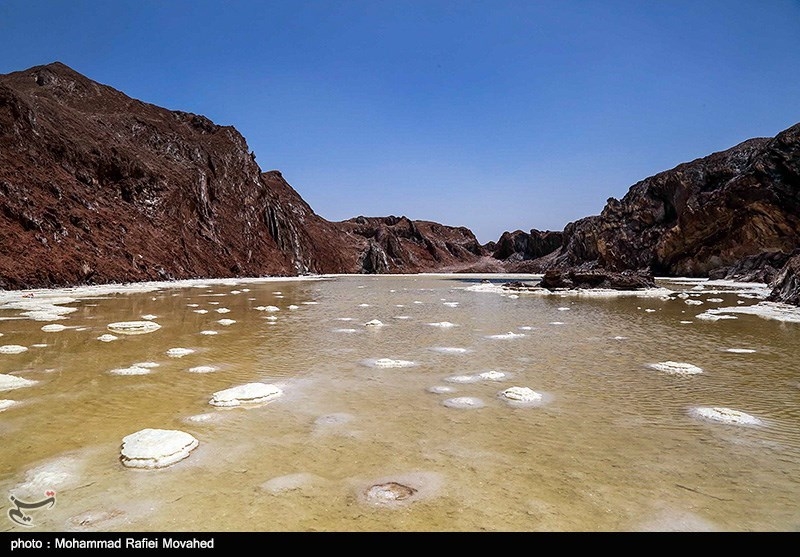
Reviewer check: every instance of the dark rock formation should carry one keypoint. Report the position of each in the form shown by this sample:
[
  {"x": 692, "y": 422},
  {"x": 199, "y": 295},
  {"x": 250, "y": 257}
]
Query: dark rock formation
[
  {"x": 762, "y": 267},
  {"x": 519, "y": 245},
  {"x": 698, "y": 217},
  {"x": 97, "y": 187},
  {"x": 786, "y": 285},
  {"x": 574, "y": 278}
]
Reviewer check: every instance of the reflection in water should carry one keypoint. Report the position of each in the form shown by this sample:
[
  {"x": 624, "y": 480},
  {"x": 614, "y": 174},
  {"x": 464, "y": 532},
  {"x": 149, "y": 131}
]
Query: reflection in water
[{"x": 402, "y": 425}]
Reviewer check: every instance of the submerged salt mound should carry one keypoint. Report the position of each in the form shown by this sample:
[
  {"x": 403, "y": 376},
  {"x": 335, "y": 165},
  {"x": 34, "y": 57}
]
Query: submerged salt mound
[
  {"x": 521, "y": 394},
  {"x": 107, "y": 338},
  {"x": 250, "y": 393},
  {"x": 492, "y": 375},
  {"x": 156, "y": 448},
  {"x": 12, "y": 349},
  {"x": 292, "y": 482},
  {"x": 389, "y": 362},
  {"x": 441, "y": 389},
  {"x": 462, "y": 379},
  {"x": 5, "y": 404},
  {"x": 676, "y": 368},
  {"x": 133, "y": 327},
  {"x": 464, "y": 402},
  {"x": 724, "y": 415},
  {"x": 11, "y": 382},
  {"x": 400, "y": 490},
  {"x": 179, "y": 352}
]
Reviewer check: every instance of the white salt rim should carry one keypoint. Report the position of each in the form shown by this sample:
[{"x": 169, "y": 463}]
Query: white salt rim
[
  {"x": 464, "y": 402},
  {"x": 134, "y": 327},
  {"x": 12, "y": 349},
  {"x": 521, "y": 394},
  {"x": 156, "y": 448},
  {"x": 203, "y": 369},
  {"x": 11, "y": 382},
  {"x": 725, "y": 415},
  {"x": 249, "y": 393},
  {"x": 676, "y": 368},
  {"x": 179, "y": 352}
]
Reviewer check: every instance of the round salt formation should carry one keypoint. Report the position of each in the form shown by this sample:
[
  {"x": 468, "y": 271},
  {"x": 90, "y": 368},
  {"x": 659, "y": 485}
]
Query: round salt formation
[
  {"x": 725, "y": 415},
  {"x": 374, "y": 323},
  {"x": 226, "y": 322},
  {"x": 250, "y": 393},
  {"x": 156, "y": 448},
  {"x": 53, "y": 328},
  {"x": 12, "y": 349},
  {"x": 521, "y": 394},
  {"x": 389, "y": 492},
  {"x": 388, "y": 362},
  {"x": 203, "y": 369},
  {"x": 179, "y": 352},
  {"x": 133, "y": 327},
  {"x": 11, "y": 382},
  {"x": 677, "y": 368},
  {"x": 107, "y": 338},
  {"x": 464, "y": 402}
]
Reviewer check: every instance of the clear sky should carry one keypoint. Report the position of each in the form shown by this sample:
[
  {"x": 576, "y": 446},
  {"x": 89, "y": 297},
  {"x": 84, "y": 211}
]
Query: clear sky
[{"x": 492, "y": 114}]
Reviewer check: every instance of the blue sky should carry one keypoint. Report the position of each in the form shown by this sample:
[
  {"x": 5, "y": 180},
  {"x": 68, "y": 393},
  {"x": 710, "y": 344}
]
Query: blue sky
[{"x": 495, "y": 115}]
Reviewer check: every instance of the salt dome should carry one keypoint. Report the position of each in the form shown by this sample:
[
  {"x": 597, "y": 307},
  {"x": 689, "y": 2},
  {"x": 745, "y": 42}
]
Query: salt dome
[
  {"x": 521, "y": 394},
  {"x": 133, "y": 327},
  {"x": 250, "y": 393},
  {"x": 677, "y": 368},
  {"x": 10, "y": 382},
  {"x": 725, "y": 415},
  {"x": 156, "y": 448}
]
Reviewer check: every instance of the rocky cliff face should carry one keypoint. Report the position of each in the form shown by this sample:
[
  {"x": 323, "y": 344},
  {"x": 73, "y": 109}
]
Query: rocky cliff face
[
  {"x": 698, "y": 217},
  {"x": 98, "y": 187}
]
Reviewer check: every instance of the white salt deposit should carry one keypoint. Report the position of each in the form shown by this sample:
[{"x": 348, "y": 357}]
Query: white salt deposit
[
  {"x": 693, "y": 302},
  {"x": 203, "y": 369},
  {"x": 250, "y": 393},
  {"x": 156, "y": 448},
  {"x": 461, "y": 379},
  {"x": 525, "y": 328},
  {"x": 388, "y": 362},
  {"x": 557, "y": 323},
  {"x": 107, "y": 338},
  {"x": 345, "y": 319},
  {"x": 53, "y": 328},
  {"x": 11, "y": 382},
  {"x": 226, "y": 322},
  {"x": 449, "y": 350},
  {"x": 38, "y": 345},
  {"x": 521, "y": 394},
  {"x": 309, "y": 303},
  {"x": 564, "y": 309},
  {"x": 492, "y": 375},
  {"x": 133, "y": 327},
  {"x": 402, "y": 317},
  {"x": 441, "y": 389},
  {"x": 149, "y": 317},
  {"x": 713, "y": 315},
  {"x": 209, "y": 333},
  {"x": 363, "y": 305},
  {"x": 768, "y": 310},
  {"x": 223, "y": 310},
  {"x": 715, "y": 300},
  {"x": 676, "y": 368},
  {"x": 374, "y": 323},
  {"x": 201, "y": 311},
  {"x": 179, "y": 352},
  {"x": 506, "y": 336},
  {"x": 193, "y": 305},
  {"x": 294, "y": 307},
  {"x": 740, "y": 350},
  {"x": 464, "y": 402},
  {"x": 12, "y": 349},
  {"x": 443, "y": 324},
  {"x": 345, "y": 330},
  {"x": 146, "y": 365},
  {"x": 132, "y": 370},
  {"x": 725, "y": 415},
  {"x": 270, "y": 318},
  {"x": 5, "y": 404},
  {"x": 451, "y": 304}
]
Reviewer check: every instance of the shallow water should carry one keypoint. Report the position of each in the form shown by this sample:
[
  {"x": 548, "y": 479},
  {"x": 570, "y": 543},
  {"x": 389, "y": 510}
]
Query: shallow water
[{"x": 612, "y": 443}]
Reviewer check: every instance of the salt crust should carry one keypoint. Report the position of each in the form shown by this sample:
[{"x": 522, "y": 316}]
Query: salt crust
[
  {"x": 132, "y": 370},
  {"x": 388, "y": 362},
  {"x": 740, "y": 350},
  {"x": 203, "y": 369},
  {"x": 521, "y": 394},
  {"x": 767, "y": 310},
  {"x": 725, "y": 415},
  {"x": 5, "y": 404},
  {"x": 156, "y": 448},
  {"x": 676, "y": 368},
  {"x": 249, "y": 393},
  {"x": 464, "y": 402},
  {"x": 449, "y": 350},
  {"x": 133, "y": 327},
  {"x": 441, "y": 389},
  {"x": 226, "y": 322},
  {"x": 179, "y": 352},
  {"x": 374, "y": 323},
  {"x": 443, "y": 324},
  {"x": 506, "y": 336},
  {"x": 53, "y": 328},
  {"x": 11, "y": 382},
  {"x": 12, "y": 349}
]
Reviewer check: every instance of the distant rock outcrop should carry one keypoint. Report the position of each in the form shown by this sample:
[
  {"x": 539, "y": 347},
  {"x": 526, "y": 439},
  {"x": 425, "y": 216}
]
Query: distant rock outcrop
[
  {"x": 786, "y": 284},
  {"x": 698, "y": 217},
  {"x": 520, "y": 246}
]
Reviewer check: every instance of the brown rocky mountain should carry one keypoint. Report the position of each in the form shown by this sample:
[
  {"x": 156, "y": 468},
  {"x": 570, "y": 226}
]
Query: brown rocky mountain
[{"x": 98, "y": 187}]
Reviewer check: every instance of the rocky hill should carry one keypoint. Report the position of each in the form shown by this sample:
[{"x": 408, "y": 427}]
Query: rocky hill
[{"x": 97, "y": 187}]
